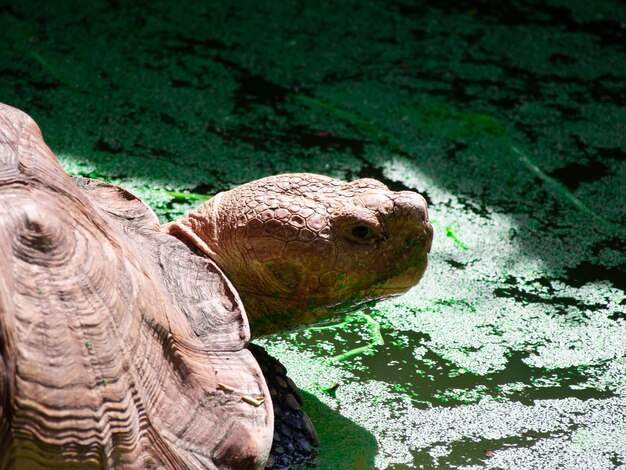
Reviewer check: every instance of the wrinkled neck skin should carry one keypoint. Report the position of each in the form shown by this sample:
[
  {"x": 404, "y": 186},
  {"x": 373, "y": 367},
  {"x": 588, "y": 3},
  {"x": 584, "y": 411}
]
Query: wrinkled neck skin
[
  {"x": 200, "y": 227},
  {"x": 300, "y": 248},
  {"x": 268, "y": 302}
]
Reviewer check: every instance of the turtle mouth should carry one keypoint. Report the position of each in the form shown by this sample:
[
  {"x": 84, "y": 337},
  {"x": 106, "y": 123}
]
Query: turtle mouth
[
  {"x": 403, "y": 281},
  {"x": 389, "y": 287}
]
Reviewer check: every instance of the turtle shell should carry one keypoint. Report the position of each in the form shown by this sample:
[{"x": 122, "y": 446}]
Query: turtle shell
[{"x": 120, "y": 346}]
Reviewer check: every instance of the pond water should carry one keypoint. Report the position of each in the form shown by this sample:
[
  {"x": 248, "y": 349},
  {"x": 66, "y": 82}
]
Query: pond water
[{"x": 508, "y": 117}]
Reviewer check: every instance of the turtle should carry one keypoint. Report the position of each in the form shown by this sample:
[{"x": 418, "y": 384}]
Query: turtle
[{"x": 125, "y": 343}]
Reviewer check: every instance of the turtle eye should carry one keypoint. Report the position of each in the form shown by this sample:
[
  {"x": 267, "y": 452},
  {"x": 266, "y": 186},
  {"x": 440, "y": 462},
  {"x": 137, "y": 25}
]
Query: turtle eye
[{"x": 361, "y": 232}]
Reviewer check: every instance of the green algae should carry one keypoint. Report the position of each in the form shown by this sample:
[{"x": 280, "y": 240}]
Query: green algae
[
  {"x": 451, "y": 232},
  {"x": 187, "y": 196},
  {"x": 563, "y": 192},
  {"x": 374, "y": 330},
  {"x": 428, "y": 116}
]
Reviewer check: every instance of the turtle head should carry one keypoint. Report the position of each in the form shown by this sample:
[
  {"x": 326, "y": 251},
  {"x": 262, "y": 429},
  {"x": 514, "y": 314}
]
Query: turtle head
[{"x": 300, "y": 247}]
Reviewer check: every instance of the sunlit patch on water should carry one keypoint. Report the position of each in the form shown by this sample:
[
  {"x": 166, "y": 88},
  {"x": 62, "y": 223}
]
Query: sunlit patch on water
[{"x": 495, "y": 359}]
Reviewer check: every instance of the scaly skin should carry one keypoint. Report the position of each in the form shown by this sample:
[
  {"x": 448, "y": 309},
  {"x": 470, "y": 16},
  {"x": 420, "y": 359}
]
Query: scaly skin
[{"x": 301, "y": 247}]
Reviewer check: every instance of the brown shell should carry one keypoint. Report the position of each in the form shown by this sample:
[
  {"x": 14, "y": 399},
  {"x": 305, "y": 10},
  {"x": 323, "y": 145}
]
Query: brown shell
[{"x": 120, "y": 347}]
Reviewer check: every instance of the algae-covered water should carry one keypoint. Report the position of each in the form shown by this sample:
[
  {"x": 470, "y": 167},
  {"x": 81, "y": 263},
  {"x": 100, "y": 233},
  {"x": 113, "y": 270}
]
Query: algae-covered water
[{"x": 508, "y": 117}]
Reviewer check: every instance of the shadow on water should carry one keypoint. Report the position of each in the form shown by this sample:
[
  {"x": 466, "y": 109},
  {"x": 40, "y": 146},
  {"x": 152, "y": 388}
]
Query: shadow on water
[{"x": 343, "y": 444}]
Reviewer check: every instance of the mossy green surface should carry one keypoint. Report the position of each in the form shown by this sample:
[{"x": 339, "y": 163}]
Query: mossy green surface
[{"x": 507, "y": 116}]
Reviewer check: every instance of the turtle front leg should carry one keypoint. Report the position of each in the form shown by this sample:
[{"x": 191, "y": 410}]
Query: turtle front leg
[{"x": 295, "y": 440}]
